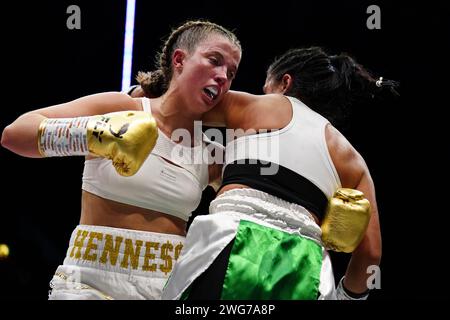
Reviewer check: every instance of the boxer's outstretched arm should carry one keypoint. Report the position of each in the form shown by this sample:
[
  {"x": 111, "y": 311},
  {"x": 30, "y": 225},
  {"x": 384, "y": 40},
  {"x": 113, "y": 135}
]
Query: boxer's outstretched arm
[
  {"x": 87, "y": 126},
  {"x": 21, "y": 136}
]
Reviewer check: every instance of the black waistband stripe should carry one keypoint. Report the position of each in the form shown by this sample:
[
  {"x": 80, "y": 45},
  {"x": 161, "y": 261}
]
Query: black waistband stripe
[{"x": 285, "y": 184}]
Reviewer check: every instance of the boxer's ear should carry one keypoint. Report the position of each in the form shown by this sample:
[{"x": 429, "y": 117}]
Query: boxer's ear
[{"x": 286, "y": 82}]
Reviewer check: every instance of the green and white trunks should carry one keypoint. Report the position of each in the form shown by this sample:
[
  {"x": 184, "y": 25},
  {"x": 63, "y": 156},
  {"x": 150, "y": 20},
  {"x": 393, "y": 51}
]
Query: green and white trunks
[{"x": 277, "y": 252}]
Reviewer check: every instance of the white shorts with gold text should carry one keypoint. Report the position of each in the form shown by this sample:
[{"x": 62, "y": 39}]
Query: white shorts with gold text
[{"x": 112, "y": 263}]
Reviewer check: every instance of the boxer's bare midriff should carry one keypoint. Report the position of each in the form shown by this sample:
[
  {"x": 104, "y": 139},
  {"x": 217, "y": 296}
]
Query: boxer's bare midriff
[
  {"x": 104, "y": 212},
  {"x": 241, "y": 186}
]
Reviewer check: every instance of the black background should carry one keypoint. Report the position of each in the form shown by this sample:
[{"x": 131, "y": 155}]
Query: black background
[{"x": 404, "y": 141}]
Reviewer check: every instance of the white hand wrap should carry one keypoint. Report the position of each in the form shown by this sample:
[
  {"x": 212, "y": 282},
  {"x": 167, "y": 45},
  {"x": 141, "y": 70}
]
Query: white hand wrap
[
  {"x": 343, "y": 294},
  {"x": 63, "y": 137}
]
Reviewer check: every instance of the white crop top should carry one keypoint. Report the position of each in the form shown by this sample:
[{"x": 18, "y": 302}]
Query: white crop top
[
  {"x": 158, "y": 185},
  {"x": 300, "y": 146}
]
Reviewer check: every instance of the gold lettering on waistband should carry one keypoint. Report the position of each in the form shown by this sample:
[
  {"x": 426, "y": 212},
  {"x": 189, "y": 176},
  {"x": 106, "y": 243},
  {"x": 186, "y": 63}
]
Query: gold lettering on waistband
[
  {"x": 131, "y": 253},
  {"x": 113, "y": 252},
  {"x": 92, "y": 246},
  {"x": 166, "y": 267},
  {"x": 150, "y": 256},
  {"x": 178, "y": 250},
  {"x": 78, "y": 244}
]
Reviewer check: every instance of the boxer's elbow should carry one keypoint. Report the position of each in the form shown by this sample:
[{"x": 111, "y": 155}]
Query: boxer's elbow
[
  {"x": 7, "y": 140},
  {"x": 370, "y": 250},
  {"x": 15, "y": 140},
  {"x": 374, "y": 254},
  {"x": 375, "y": 247}
]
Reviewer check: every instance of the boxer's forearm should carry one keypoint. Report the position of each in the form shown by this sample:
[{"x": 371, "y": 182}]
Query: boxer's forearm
[
  {"x": 358, "y": 270},
  {"x": 125, "y": 137}
]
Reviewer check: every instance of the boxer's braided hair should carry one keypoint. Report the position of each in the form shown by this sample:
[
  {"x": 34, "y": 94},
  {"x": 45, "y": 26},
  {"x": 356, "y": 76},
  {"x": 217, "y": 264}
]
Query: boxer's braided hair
[
  {"x": 329, "y": 84},
  {"x": 187, "y": 36}
]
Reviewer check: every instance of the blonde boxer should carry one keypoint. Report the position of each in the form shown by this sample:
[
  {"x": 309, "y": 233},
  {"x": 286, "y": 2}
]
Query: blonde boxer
[{"x": 138, "y": 192}]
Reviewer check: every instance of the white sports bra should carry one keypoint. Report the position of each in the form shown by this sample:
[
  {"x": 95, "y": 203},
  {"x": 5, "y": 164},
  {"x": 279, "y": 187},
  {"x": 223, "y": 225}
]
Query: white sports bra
[
  {"x": 300, "y": 147},
  {"x": 159, "y": 185}
]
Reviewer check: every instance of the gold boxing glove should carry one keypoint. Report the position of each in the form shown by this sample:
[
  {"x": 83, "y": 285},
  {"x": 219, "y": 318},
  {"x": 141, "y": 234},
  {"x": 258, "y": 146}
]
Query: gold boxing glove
[
  {"x": 125, "y": 137},
  {"x": 346, "y": 220}
]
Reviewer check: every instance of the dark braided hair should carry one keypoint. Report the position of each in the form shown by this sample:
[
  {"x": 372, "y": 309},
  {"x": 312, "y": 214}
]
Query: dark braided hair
[
  {"x": 327, "y": 84},
  {"x": 187, "y": 36}
]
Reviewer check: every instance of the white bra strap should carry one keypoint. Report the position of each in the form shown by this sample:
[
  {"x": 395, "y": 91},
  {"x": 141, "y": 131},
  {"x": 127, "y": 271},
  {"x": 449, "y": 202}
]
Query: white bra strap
[{"x": 146, "y": 105}]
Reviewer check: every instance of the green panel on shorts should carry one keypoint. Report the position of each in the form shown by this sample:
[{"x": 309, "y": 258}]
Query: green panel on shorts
[{"x": 266, "y": 263}]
